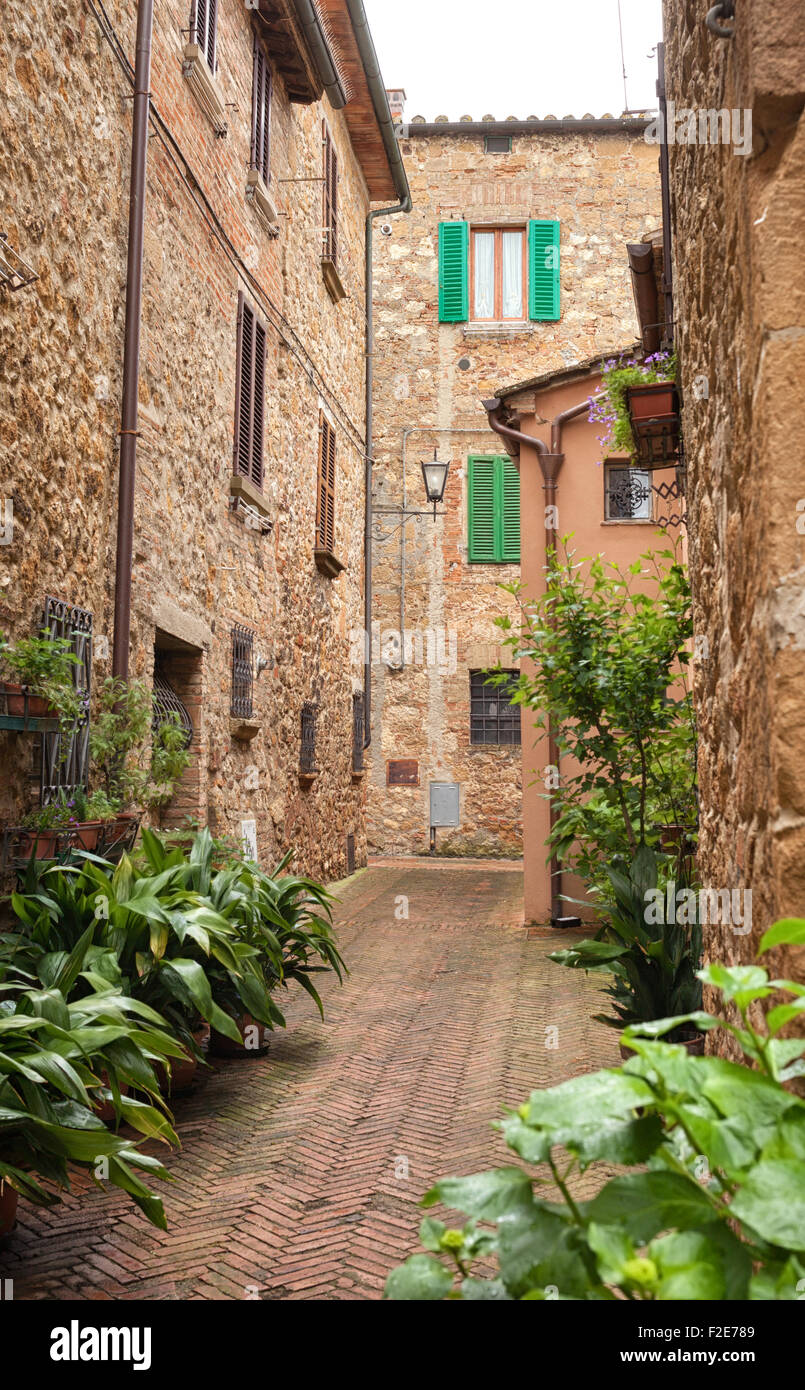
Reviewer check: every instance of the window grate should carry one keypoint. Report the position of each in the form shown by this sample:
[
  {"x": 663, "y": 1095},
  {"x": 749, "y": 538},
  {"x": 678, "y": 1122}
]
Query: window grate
[
  {"x": 358, "y": 732},
  {"x": 493, "y": 718},
  {"x": 307, "y": 753},
  {"x": 167, "y": 707},
  {"x": 68, "y": 770},
  {"x": 628, "y": 494},
  {"x": 242, "y": 703}
]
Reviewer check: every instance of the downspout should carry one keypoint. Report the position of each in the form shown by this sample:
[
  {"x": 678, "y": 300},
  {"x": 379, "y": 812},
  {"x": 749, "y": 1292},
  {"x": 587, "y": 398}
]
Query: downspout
[
  {"x": 550, "y": 465},
  {"x": 131, "y": 341},
  {"x": 380, "y": 102},
  {"x": 644, "y": 289}
]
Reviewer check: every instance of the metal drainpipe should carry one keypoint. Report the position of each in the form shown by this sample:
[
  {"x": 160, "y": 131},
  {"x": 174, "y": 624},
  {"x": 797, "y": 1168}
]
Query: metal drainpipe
[
  {"x": 317, "y": 39},
  {"x": 550, "y": 465},
  {"x": 131, "y": 342}
]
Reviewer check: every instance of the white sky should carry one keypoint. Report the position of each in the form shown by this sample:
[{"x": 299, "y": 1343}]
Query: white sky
[{"x": 516, "y": 57}]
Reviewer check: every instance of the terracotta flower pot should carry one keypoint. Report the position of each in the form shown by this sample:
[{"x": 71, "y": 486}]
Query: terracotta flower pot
[
  {"x": 105, "y": 1109},
  {"x": 8, "y": 1208},
  {"x": 253, "y": 1034},
  {"x": 88, "y": 833},
  {"x": 183, "y": 1072},
  {"x": 34, "y": 707},
  {"x": 43, "y": 844},
  {"x": 652, "y": 401}
]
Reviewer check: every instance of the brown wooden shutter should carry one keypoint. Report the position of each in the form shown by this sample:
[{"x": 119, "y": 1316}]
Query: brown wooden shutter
[
  {"x": 250, "y": 386},
  {"x": 330, "y": 240},
  {"x": 261, "y": 112},
  {"x": 325, "y": 502}
]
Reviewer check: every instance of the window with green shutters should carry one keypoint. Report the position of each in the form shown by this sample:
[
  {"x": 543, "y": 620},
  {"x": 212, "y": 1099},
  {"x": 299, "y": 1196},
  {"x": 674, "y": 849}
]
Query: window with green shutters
[
  {"x": 454, "y": 280},
  {"x": 544, "y": 298},
  {"x": 543, "y": 270},
  {"x": 493, "y": 506}
]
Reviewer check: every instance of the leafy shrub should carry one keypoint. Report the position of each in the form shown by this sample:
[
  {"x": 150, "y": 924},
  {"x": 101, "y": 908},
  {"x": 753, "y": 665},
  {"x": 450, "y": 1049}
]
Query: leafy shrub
[
  {"x": 715, "y": 1206},
  {"x": 654, "y": 963},
  {"x": 607, "y": 662}
]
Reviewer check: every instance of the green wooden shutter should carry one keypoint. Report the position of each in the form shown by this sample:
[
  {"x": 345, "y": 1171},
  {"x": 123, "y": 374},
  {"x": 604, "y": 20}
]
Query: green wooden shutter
[
  {"x": 481, "y": 493},
  {"x": 454, "y": 281},
  {"x": 543, "y": 266},
  {"x": 509, "y": 511}
]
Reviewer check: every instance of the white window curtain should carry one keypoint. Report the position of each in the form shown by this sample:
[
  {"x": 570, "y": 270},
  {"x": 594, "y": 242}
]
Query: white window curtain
[
  {"x": 512, "y": 275},
  {"x": 485, "y": 275}
]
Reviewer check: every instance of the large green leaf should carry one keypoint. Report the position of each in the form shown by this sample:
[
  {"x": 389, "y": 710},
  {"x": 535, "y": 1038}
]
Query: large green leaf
[
  {"x": 644, "y": 1204},
  {"x": 789, "y": 931},
  {"x": 772, "y": 1202},
  {"x": 422, "y": 1279},
  {"x": 486, "y": 1196}
]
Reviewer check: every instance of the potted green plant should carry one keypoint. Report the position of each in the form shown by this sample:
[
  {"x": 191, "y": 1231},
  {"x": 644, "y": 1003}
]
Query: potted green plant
[
  {"x": 118, "y": 734},
  {"x": 47, "y": 830},
  {"x": 45, "y": 687},
  {"x": 653, "y": 962},
  {"x": 638, "y": 403}
]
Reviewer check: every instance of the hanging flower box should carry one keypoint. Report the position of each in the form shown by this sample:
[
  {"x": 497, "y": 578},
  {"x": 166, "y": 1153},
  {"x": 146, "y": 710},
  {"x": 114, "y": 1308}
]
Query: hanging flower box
[
  {"x": 638, "y": 404},
  {"x": 654, "y": 415}
]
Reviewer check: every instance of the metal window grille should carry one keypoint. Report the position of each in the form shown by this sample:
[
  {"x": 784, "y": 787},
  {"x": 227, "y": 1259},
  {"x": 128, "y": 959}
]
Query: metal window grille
[
  {"x": 242, "y": 705},
  {"x": 358, "y": 728},
  {"x": 628, "y": 494},
  {"x": 493, "y": 719},
  {"x": 330, "y": 232},
  {"x": 350, "y": 854},
  {"x": 307, "y": 753},
  {"x": 67, "y": 769},
  {"x": 166, "y": 705}
]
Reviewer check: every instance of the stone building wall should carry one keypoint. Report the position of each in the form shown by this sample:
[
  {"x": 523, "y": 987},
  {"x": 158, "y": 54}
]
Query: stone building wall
[
  {"x": 430, "y": 379},
  {"x": 738, "y": 227},
  {"x": 198, "y": 568}
]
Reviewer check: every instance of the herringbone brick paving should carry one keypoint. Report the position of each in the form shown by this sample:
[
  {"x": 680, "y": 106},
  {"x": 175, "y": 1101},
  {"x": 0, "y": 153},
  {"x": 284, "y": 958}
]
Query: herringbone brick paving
[{"x": 300, "y": 1173}]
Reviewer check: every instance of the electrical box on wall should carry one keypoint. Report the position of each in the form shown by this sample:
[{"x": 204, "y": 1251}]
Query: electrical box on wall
[{"x": 444, "y": 804}]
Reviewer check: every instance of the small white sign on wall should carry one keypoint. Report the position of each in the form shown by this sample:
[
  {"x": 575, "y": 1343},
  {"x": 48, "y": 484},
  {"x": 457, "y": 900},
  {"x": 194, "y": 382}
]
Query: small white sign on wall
[{"x": 248, "y": 839}]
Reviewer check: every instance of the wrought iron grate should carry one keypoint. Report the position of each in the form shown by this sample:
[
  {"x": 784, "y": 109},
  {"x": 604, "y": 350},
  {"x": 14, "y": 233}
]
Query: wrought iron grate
[
  {"x": 628, "y": 494},
  {"x": 166, "y": 703},
  {"x": 493, "y": 719},
  {"x": 242, "y": 703},
  {"x": 307, "y": 753},
  {"x": 67, "y": 769},
  {"x": 358, "y": 727}
]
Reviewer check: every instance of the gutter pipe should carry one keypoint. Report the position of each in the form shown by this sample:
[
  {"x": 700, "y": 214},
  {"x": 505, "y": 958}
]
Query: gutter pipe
[
  {"x": 550, "y": 463},
  {"x": 616, "y": 124},
  {"x": 131, "y": 341},
  {"x": 322, "y": 56},
  {"x": 644, "y": 288}
]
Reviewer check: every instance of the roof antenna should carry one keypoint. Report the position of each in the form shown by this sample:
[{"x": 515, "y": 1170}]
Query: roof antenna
[{"x": 623, "y": 60}]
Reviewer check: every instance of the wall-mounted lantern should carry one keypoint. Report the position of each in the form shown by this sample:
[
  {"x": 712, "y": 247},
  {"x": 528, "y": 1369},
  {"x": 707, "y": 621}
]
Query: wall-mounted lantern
[{"x": 434, "y": 476}]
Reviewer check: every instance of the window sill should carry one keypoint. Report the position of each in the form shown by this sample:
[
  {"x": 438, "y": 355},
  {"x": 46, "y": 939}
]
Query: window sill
[
  {"x": 306, "y": 779},
  {"x": 513, "y": 329},
  {"x": 258, "y": 195},
  {"x": 332, "y": 279},
  {"x": 630, "y": 521},
  {"x": 328, "y": 564},
  {"x": 204, "y": 88},
  {"x": 241, "y": 486},
  {"x": 243, "y": 730}
]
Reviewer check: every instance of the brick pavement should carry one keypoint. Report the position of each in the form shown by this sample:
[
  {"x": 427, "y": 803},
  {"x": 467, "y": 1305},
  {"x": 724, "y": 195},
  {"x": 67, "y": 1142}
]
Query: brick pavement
[{"x": 291, "y": 1176}]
